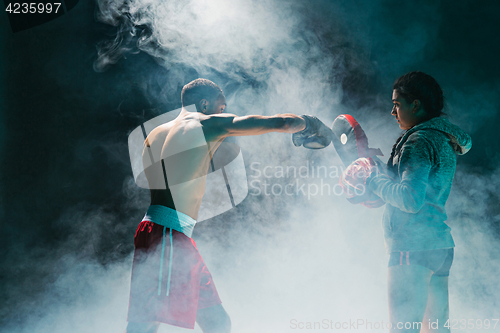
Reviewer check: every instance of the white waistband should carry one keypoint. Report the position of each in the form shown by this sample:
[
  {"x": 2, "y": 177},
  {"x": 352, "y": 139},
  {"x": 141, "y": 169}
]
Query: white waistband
[{"x": 170, "y": 218}]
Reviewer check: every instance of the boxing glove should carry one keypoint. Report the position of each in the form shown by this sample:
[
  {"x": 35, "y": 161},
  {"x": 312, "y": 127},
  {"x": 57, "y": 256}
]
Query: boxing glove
[{"x": 316, "y": 135}]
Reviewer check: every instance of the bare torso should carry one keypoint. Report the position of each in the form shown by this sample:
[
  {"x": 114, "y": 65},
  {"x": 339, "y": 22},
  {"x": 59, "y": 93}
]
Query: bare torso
[
  {"x": 182, "y": 154},
  {"x": 176, "y": 155}
]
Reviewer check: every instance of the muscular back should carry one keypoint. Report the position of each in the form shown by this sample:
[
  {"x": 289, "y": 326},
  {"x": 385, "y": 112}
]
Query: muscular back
[
  {"x": 182, "y": 158},
  {"x": 181, "y": 152}
]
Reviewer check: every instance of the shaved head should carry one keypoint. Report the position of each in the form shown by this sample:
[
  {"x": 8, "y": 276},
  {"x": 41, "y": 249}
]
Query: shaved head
[{"x": 199, "y": 89}]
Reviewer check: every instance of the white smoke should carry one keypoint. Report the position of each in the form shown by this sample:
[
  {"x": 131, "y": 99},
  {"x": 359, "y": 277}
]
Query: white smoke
[
  {"x": 276, "y": 259},
  {"x": 208, "y": 34}
]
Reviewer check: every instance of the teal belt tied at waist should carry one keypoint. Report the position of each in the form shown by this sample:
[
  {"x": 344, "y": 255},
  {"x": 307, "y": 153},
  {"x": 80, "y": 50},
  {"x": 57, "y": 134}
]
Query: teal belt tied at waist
[
  {"x": 174, "y": 220},
  {"x": 170, "y": 218}
]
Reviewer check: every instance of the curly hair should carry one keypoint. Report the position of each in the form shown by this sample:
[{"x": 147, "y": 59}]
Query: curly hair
[{"x": 421, "y": 86}]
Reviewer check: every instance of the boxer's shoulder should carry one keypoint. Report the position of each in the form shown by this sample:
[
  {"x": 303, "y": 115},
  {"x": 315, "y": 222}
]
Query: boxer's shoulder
[
  {"x": 159, "y": 133},
  {"x": 216, "y": 126},
  {"x": 215, "y": 120}
]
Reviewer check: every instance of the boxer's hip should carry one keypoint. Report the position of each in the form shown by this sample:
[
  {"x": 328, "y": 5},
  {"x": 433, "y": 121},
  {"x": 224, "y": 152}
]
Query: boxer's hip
[{"x": 171, "y": 219}]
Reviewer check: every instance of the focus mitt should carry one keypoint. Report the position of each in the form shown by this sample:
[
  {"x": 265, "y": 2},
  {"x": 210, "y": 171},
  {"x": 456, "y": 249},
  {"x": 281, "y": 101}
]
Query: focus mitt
[{"x": 350, "y": 140}]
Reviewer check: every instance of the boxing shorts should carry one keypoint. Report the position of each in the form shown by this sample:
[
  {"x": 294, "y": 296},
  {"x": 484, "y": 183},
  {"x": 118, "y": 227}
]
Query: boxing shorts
[{"x": 170, "y": 280}]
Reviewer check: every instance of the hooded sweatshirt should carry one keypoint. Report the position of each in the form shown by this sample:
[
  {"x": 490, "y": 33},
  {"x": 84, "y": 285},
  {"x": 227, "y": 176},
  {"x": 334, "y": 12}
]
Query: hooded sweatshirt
[{"x": 417, "y": 184}]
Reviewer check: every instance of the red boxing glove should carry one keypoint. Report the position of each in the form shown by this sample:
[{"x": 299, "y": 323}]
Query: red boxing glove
[{"x": 353, "y": 182}]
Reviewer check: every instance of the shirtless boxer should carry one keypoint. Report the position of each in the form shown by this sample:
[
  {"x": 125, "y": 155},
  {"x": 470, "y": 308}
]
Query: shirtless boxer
[{"x": 170, "y": 282}]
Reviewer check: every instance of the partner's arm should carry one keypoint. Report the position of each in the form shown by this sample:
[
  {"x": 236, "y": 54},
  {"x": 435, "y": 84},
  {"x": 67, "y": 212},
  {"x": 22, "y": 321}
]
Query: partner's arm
[{"x": 414, "y": 167}]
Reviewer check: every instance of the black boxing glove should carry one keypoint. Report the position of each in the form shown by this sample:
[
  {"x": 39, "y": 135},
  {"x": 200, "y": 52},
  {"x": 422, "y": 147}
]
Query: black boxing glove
[{"x": 316, "y": 135}]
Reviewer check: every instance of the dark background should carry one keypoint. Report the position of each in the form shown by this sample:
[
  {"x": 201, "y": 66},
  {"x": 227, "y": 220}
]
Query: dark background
[{"x": 64, "y": 126}]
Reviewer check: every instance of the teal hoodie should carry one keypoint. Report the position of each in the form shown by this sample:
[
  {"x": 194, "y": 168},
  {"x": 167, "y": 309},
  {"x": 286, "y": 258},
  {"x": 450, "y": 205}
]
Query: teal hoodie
[{"x": 417, "y": 184}]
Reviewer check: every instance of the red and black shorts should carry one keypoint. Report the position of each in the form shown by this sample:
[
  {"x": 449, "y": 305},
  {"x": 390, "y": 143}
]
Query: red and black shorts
[{"x": 170, "y": 280}]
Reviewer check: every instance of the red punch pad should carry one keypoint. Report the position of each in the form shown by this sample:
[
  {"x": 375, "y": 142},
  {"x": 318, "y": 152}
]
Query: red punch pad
[{"x": 350, "y": 140}]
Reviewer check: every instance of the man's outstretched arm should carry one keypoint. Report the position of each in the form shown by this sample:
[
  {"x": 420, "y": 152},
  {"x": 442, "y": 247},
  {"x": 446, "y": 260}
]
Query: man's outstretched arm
[{"x": 223, "y": 125}]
